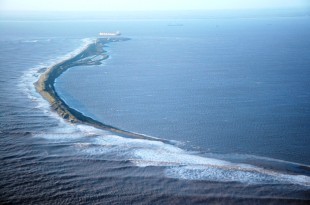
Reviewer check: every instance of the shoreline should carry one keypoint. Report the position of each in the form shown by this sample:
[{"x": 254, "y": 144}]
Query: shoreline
[{"x": 93, "y": 54}]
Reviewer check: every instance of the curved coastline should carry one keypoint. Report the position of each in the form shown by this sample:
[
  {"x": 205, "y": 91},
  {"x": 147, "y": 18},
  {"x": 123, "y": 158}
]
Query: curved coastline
[{"x": 93, "y": 54}]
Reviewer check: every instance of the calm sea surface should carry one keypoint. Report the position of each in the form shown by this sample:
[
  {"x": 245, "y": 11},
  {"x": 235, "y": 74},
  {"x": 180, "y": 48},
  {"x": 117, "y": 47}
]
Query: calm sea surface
[
  {"x": 231, "y": 95},
  {"x": 227, "y": 86}
]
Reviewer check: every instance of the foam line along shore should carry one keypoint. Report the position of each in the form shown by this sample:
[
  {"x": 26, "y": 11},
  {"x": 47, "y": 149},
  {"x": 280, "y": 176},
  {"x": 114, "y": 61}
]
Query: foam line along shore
[{"x": 92, "y": 54}]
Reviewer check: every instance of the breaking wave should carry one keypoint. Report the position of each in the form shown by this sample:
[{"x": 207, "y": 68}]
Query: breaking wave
[{"x": 176, "y": 162}]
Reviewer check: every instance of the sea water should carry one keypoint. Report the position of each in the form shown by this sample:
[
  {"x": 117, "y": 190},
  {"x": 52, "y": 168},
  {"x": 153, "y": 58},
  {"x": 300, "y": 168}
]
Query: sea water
[
  {"x": 231, "y": 96},
  {"x": 227, "y": 86}
]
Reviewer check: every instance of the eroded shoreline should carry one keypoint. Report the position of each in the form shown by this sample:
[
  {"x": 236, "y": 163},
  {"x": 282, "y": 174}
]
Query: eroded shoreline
[{"x": 93, "y": 54}]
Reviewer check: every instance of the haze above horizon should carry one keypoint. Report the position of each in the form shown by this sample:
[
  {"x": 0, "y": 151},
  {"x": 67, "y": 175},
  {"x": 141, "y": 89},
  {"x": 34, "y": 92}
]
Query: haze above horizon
[{"x": 150, "y": 5}]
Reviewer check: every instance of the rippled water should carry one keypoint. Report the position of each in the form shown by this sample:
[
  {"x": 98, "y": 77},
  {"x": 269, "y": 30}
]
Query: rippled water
[
  {"x": 227, "y": 86},
  {"x": 47, "y": 160}
]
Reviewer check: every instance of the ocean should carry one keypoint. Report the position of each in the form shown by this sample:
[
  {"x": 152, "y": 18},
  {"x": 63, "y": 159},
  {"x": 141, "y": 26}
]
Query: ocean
[{"x": 230, "y": 98}]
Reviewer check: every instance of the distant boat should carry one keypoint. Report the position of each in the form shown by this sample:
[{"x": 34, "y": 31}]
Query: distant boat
[{"x": 117, "y": 33}]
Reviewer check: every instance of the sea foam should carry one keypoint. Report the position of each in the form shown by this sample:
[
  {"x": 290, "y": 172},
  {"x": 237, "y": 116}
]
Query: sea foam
[
  {"x": 176, "y": 162},
  {"x": 31, "y": 76}
]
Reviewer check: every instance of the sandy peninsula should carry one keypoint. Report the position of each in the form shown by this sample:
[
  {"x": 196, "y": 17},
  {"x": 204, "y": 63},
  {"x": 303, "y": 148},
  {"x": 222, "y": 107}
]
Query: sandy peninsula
[{"x": 93, "y": 54}]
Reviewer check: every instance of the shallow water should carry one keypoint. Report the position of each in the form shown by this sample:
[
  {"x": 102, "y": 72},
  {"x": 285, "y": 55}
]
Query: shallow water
[
  {"x": 46, "y": 160},
  {"x": 227, "y": 86}
]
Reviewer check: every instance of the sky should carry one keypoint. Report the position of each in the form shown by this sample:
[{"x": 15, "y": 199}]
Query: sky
[{"x": 146, "y": 5}]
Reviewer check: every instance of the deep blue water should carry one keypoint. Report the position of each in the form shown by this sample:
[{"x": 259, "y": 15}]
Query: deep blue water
[
  {"x": 227, "y": 86},
  {"x": 232, "y": 96}
]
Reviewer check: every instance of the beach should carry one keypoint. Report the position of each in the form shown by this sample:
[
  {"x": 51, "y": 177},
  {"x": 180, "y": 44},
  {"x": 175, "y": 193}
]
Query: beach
[
  {"x": 234, "y": 111},
  {"x": 92, "y": 54}
]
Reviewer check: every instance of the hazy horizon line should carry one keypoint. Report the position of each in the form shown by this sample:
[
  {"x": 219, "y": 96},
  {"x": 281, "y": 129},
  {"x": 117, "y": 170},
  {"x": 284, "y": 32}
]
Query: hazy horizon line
[
  {"x": 163, "y": 10},
  {"x": 156, "y": 14}
]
